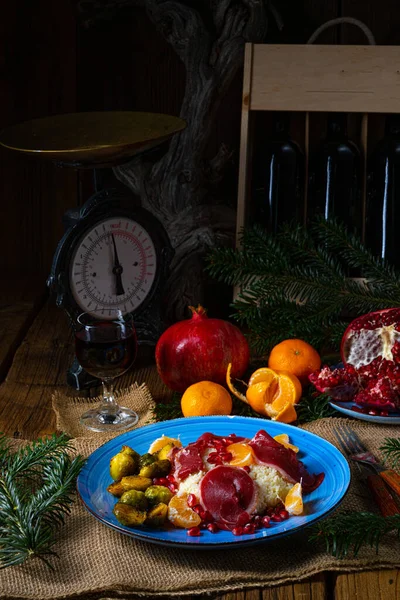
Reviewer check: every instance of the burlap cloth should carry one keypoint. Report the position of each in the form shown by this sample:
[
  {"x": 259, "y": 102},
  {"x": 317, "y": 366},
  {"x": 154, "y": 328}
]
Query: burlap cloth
[
  {"x": 100, "y": 562},
  {"x": 69, "y": 410}
]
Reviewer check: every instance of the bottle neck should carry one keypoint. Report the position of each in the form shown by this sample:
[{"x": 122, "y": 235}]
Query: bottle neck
[
  {"x": 281, "y": 123},
  {"x": 336, "y": 127},
  {"x": 392, "y": 126}
]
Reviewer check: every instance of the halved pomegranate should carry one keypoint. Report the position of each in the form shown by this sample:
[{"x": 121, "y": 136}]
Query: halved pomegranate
[
  {"x": 371, "y": 336},
  {"x": 370, "y": 351}
]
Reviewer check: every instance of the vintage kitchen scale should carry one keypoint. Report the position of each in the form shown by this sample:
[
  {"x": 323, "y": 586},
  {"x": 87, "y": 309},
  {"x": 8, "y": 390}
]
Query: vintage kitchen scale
[{"x": 113, "y": 254}]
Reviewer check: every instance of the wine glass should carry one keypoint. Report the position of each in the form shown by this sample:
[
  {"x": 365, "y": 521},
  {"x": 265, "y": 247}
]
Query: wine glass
[{"x": 106, "y": 348}]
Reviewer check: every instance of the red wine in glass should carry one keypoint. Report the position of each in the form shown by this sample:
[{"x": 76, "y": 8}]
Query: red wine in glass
[{"x": 106, "y": 349}]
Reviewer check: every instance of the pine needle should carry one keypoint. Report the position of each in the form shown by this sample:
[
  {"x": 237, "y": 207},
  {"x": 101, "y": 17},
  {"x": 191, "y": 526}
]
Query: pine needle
[
  {"x": 391, "y": 451},
  {"x": 348, "y": 531}
]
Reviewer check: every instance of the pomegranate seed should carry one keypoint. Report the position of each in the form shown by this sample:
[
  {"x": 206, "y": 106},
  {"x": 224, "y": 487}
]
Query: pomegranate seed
[
  {"x": 257, "y": 520},
  {"x": 172, "y": 487},
  {"x": 276, "y": 518},
  {"x": 226, "y": 456},
  {"x": 163, "y": 481},
  {"x": 197, "y": 508},
  {"x": 266, "y": 521},
  {"x": 284, "y": 514},
  {"x": 249, "y": 528},
  {"x": 156, "y": 481},
  {"x": 191, "y": 500},
  {"x": 212, "y": 527},
  {"x": 246, "y": 468},
  {"x": 171, "y": 478},
  {"x": 207, "y": 516},
  {"x": 237, "y": 530},
  {"x": 194, "y": 531}
]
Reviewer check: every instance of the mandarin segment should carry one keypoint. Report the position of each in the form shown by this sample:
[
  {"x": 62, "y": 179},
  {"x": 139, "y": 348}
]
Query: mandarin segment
[
  {"x": 242, "y": 454},
  {"x": 294, "y": 500},
  {"x": 162, "y": 441},
  {"x": 260, "y": 394},
  {"x": 287, "y": 414},
  {"x": 283, "y": 439},
  {"x": 262, "y": 374},
  {"x": 180, "y": 514},
  {"x": 289, "y": 389}
]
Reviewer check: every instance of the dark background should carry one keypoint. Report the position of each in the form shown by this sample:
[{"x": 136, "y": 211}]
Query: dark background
[{"x": 53, "y": 61}]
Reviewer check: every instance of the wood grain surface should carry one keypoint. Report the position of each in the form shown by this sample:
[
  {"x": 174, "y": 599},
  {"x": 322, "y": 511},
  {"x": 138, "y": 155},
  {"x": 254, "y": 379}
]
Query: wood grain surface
[{"x": 39, "y": 350}]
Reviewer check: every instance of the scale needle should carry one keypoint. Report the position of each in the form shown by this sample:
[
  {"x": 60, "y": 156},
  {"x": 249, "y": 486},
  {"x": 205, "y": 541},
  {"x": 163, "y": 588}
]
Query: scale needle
[{"x": 117, "y": 270}]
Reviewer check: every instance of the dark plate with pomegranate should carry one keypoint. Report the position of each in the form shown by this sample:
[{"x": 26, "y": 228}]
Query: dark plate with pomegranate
[
  {"x": 317, "y": 455},
  {"x": 351, "y": 409}
]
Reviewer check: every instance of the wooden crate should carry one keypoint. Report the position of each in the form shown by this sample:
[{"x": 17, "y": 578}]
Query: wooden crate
[{"x": 311, "y": 79}]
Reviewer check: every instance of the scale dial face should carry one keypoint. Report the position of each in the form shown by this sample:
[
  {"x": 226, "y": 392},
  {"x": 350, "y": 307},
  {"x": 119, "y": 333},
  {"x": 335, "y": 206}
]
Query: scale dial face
[{"x": 113, "y": 267}]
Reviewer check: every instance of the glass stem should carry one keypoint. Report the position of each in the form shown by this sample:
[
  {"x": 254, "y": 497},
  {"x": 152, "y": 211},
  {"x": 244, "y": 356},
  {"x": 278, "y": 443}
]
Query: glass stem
[{"x": 109, "y": 404}]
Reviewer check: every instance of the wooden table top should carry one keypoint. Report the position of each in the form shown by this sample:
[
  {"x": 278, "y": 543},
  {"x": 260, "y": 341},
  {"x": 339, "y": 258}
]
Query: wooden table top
[{"x": 35, "y": 353}]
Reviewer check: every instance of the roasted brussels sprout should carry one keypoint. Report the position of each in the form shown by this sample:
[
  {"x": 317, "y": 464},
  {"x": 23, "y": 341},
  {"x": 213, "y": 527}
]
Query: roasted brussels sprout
[
  {"x": 160, "y": 468},
  {"x": 131, "y": 452},
  {"x": 116, "y": 489},
  {"x": 157, "y": 516},
  {"x": 135, "y": 482},
  {"x": 158, "y": 493},
  {"x": 128, "y": 515},
  {"x": 123, "y": 464},
  {"x": 135, "y": 498},
  {"x": 147, "y": 459}
]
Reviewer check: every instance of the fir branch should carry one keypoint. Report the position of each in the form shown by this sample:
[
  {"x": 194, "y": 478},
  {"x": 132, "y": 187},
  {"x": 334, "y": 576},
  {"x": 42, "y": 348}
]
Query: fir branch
[
  {"x": 37, "y": 489},
  {"x": 348, "y": 531},
  {"x": 391, "y": 451},
  {"x": 295, "y": 283},
  {"x": 312, "y": 407}
]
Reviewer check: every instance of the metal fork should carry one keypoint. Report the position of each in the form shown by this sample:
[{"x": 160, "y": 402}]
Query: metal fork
[{"x": 356, "y": 451}]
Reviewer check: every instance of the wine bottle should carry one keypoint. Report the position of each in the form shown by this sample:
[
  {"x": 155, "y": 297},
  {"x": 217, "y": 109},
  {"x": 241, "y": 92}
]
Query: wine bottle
[
  {"x": 278, "y": 178},
  {"x": 335, "y": 177},
  {"x": 383, "y": 195}
]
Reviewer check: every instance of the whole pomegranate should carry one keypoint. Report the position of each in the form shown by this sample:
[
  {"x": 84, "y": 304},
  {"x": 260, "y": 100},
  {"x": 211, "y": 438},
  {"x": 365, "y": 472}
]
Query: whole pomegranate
[{"x": 200, "y": 349}]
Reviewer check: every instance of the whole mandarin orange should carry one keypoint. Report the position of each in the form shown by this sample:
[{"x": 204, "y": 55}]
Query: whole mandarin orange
[
  {"x": 295, "y": 356},
  {"x": 206, "y": 398}
]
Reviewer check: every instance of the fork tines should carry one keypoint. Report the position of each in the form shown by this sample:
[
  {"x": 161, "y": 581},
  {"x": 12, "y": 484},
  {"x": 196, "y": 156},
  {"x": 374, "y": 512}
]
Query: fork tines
[{"x": 348, "y": 439}]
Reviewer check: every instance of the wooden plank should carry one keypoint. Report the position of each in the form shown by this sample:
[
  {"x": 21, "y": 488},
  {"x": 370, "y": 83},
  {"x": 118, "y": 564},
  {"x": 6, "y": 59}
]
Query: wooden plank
[
  {"x": 368, "y": 585},
  {"x": 314, "y": 588},
  {"x": 362, "y": 79},
  {"x": 19, "y": 303}
]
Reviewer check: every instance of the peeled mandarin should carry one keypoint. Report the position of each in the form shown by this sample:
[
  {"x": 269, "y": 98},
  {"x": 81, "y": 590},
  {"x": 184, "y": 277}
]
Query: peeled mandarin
[
  {"x": 180, "y": 514},
  {"x": 242, "y": 454},
  {"x": 283, "y": 439},
  {"x": 294, "y": 500}
]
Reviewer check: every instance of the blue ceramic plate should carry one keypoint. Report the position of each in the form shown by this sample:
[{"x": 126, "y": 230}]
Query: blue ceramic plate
[
  {"x": 346, "y": 409},
  {"x": 316, "y": 453}
]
